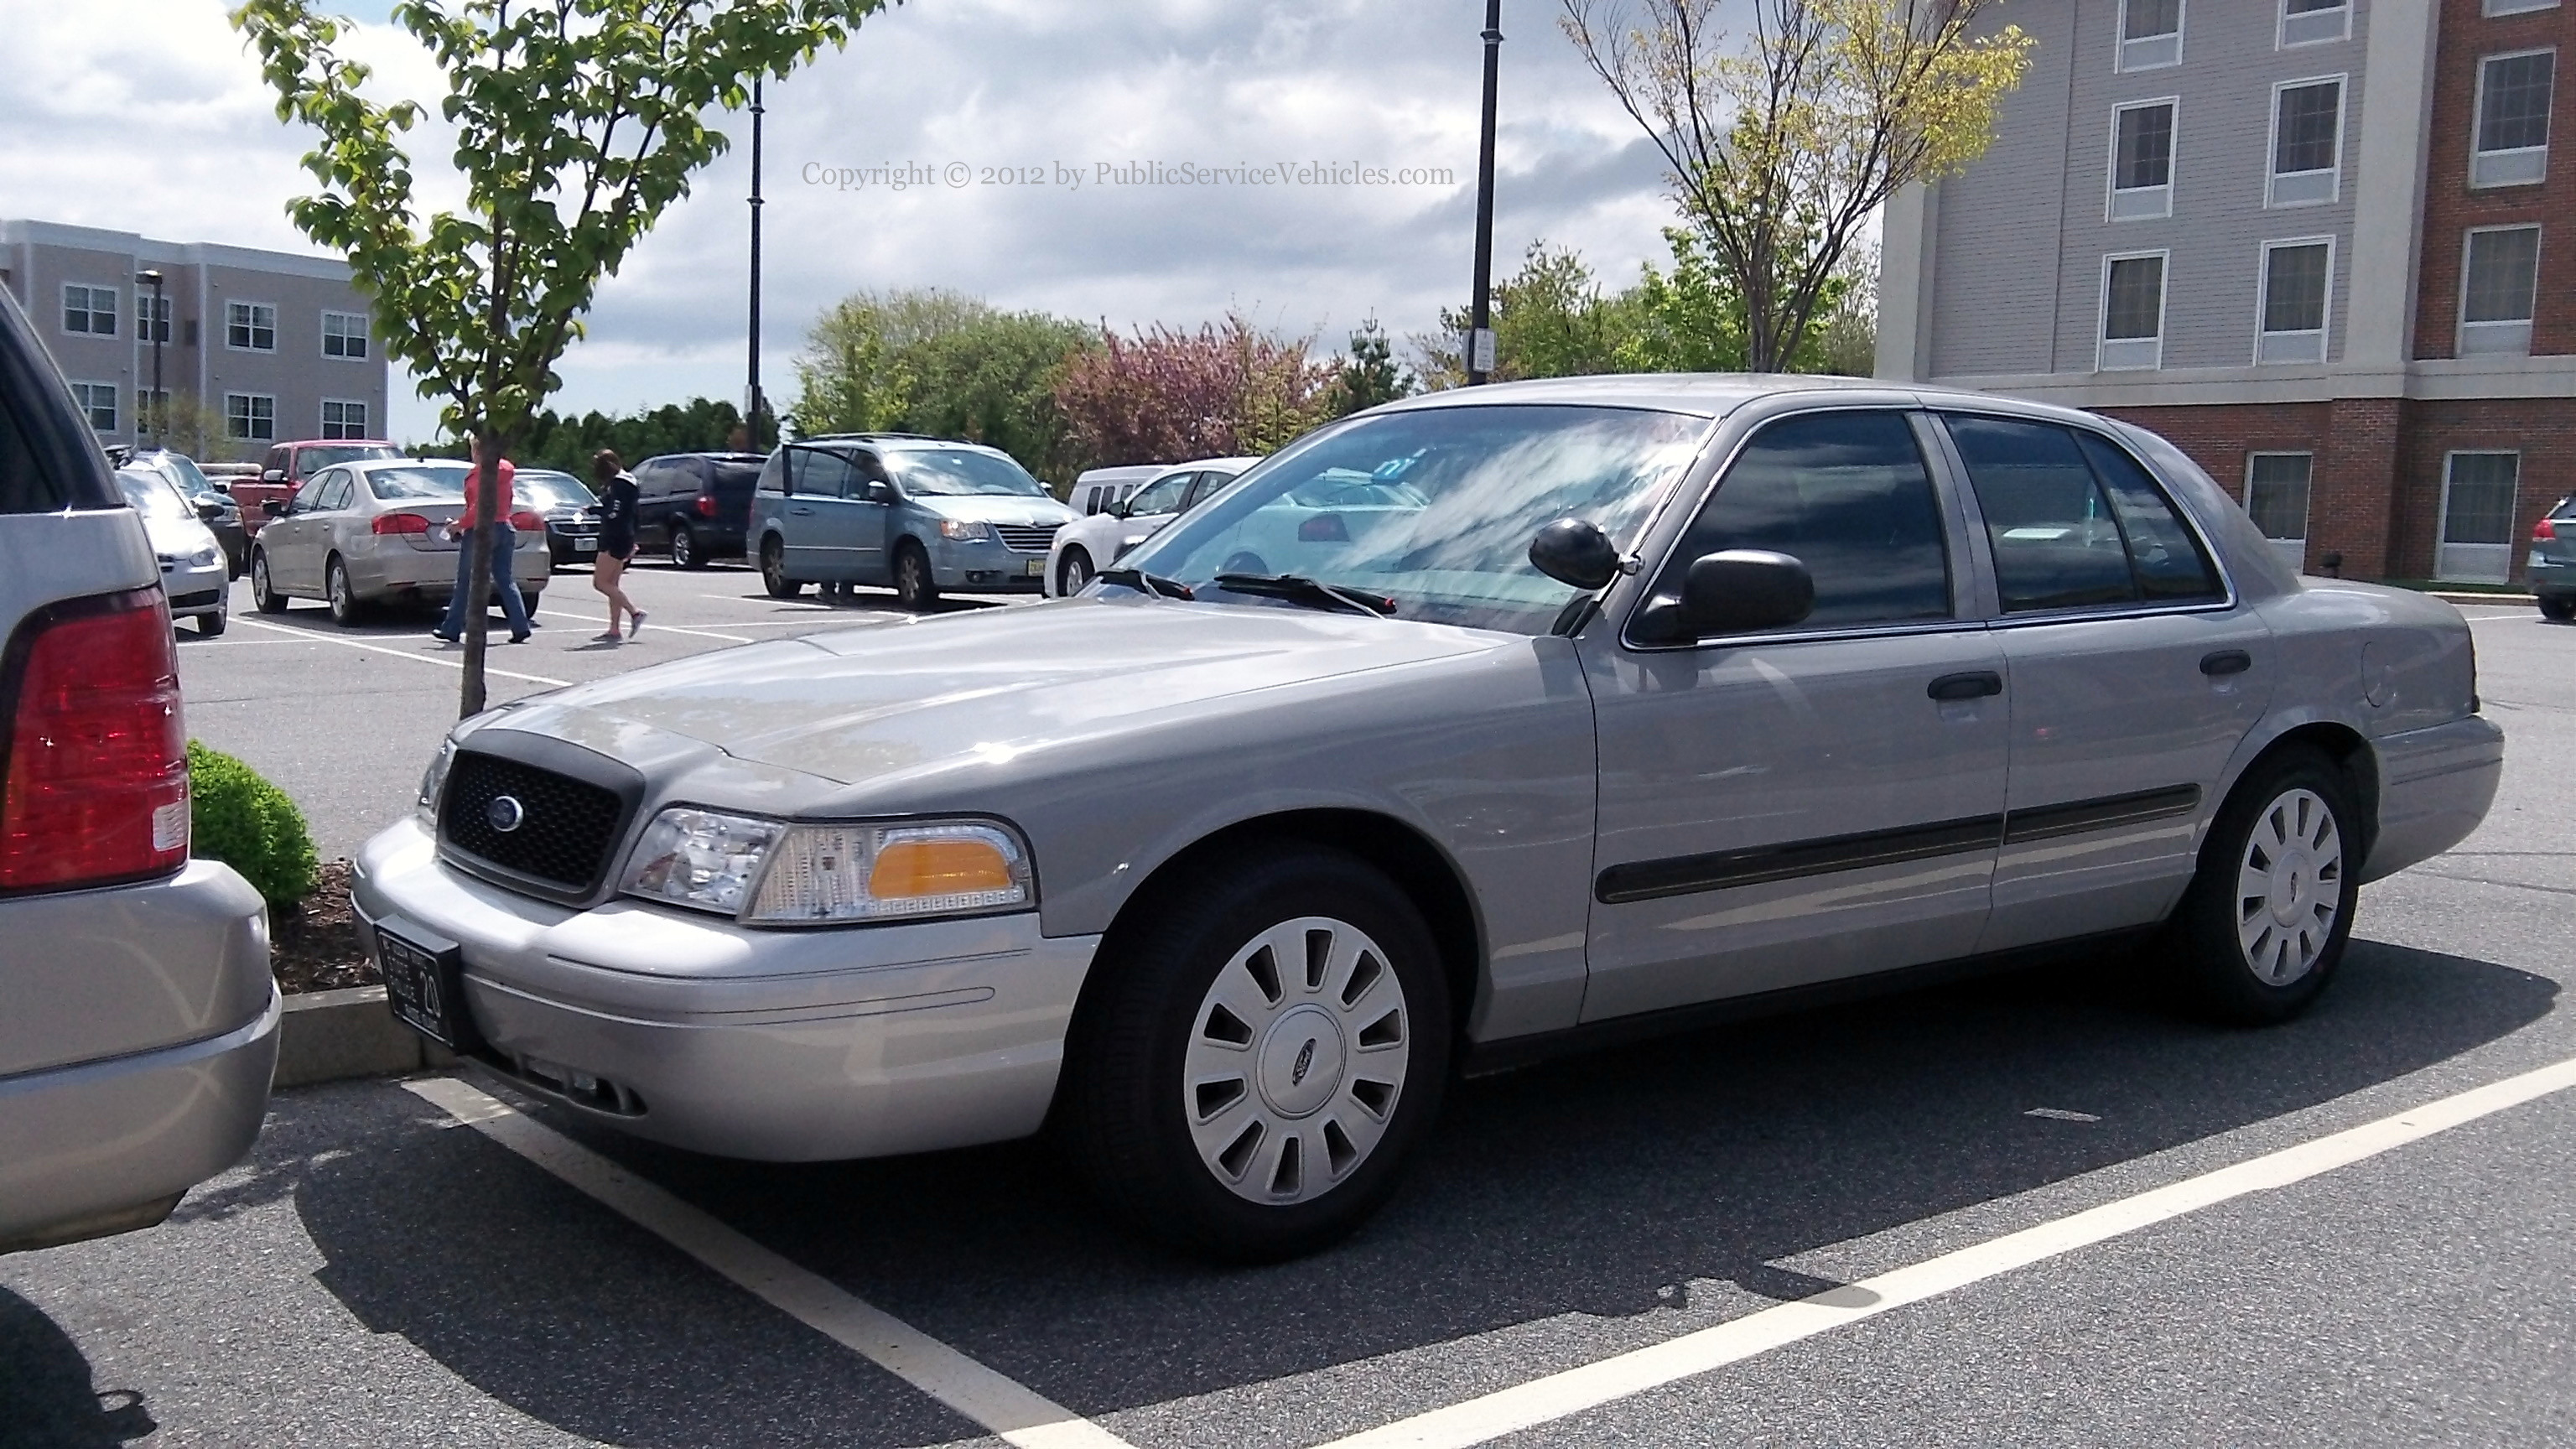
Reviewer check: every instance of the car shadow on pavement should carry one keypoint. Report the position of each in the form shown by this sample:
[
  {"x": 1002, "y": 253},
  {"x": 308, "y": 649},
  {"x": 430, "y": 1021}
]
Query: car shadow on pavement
[
  {"x": 1601, "y": 1185},
  {"x": 48, "y": 1399}
]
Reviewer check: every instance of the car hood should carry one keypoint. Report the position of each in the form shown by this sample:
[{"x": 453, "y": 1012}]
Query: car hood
[
  {"x": 957, "y": 691},
  {"x": 996, "y": 508}
]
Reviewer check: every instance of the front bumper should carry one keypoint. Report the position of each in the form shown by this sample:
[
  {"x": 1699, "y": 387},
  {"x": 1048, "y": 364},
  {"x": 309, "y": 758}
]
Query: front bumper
[
  {"x": 778, "y": 1045},
  {"x": 196, "y": 590},
  {"x": 986, "y": 568}
]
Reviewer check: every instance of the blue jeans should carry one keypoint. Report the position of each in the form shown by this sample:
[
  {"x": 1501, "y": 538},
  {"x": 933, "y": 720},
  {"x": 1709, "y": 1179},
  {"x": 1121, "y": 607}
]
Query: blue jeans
[{"x": 513, "y": 608}]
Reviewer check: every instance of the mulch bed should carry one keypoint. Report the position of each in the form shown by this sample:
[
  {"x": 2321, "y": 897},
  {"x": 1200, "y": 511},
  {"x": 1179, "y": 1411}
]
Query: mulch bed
[{"x": 314, "y": 945}]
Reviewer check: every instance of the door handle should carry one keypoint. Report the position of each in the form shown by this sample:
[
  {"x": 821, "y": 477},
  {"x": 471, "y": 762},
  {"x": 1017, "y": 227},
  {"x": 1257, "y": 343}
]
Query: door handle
[
  {"x": 1975, "y": 684},
  {"x": 2225, "y": 662},
  {"x": 802, "y": 512}
]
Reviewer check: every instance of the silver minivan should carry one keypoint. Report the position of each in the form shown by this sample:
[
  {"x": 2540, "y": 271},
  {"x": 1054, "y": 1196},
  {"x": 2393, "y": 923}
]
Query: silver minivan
[
  {"x": 138, "y": 1017},
  {"x": 919, "y": 515}
]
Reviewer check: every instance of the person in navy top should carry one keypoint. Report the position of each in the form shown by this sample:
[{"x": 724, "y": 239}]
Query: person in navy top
[{"x": 617, "y": 502}]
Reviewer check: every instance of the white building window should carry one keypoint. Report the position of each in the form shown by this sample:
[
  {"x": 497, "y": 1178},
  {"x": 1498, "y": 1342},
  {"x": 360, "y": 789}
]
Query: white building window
[
  {"x": 2517, "y": 7},
  {"x": 344, "y": 334},
  {"x": 2512, "y": 143},
  {"x": 2307, "y": 142},
  {"x": 2133, "y": 312},
  {"x": 342, "y": 418},
  {"x": 2297, "y": 287},
  {"x": 250, "y": 326},
  {"x": 2142, "y": 160},
  {"x": 2314, "y": 22},
  {"x": 97, "y": 403},
  {"x": 2150, "y": 34},
  {"x": 151, "y": 317},
  {"x": 2499, "y": 280},
  {"x": 250, "y": 417},
  {"x": 90, "y": 311},
  {"x": 2276, "y": 497},
  {"x": 2477, "y": 517}
]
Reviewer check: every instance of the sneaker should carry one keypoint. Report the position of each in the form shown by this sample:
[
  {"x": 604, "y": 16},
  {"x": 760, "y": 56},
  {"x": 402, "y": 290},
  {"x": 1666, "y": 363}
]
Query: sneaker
[
  {"x": 442, "y": 636},
  {"x": 635, "y": 624},
  {"x": 519, "y": 638},
  {"x": 608, "y": 638}
]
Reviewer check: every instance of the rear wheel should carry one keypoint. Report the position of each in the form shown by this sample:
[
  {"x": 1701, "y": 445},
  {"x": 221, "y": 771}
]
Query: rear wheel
[
  {"x": 684, "y": 547},
  {"x": 341, "y": 595},
  {"x": 913, "y": 586},
  {"x": 2560, "y": 607},
  {"x": 263, "y": 594},
  {"x": 1075, "y": 572},
  {"x": 2264, "y": 923},
  {"x": 1260, "y": 1055},
  {"x": 773, "y": 570}
]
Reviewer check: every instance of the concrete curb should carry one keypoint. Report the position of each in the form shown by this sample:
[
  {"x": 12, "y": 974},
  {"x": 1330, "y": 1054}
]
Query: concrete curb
[{"x": 328, "y": 1036}]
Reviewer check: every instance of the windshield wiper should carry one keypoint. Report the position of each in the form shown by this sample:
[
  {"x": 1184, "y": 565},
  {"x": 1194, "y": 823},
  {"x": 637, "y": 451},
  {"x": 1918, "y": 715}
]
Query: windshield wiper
[
  {"x": 1151, "y": 583},
  {"x": 1299, "y": 589}
]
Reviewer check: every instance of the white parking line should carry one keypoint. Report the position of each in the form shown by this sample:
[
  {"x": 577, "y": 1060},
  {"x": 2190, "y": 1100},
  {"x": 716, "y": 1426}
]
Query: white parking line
[
  {"x": 1019, "y": 1414},
  {"x": 780, "y": 605},
  {"x": 1621, "y": 1375},
  {"x": 602, "y": 621},
  {"x": 443, "y": 663}
]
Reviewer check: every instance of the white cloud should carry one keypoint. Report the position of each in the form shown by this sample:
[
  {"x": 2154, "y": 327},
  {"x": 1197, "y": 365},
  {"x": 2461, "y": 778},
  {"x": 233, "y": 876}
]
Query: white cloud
[{"x": 152, "y": 117}]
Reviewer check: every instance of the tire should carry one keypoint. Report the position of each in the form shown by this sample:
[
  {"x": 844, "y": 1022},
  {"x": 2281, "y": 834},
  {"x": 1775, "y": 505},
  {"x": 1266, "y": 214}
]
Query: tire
[
  {"x": 773, "y": 570},
  {"x": 212, "y": 626},
  {"x": 2263, "y": 925},
  {"x": 684, "y": 547},
  {"x": 914, "y": 587},
  {"x": 1075, "y": 571},
  {"x": 340, "y": 595},
  {"x": 2558, "y": 608},
  {"x": 263, "y": 596},
  {"x": 1300, "y": 1146}
]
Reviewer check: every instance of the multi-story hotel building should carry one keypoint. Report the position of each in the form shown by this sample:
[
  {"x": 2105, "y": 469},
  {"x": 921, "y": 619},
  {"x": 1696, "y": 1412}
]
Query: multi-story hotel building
[
  {"x": 281, "y": 346},
  {"x": 2320, "y": 244}
]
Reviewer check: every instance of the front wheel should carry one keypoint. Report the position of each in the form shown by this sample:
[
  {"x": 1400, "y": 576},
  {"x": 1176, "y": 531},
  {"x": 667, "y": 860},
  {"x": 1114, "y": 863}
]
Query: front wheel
[
  {"x": 684, "y": 547},
  {"x": 773, "y": 570},
  {"x": 2265, "y": 921},
  {"x": 1261, "y": 1054},
  {"x": 2558, "y": 607},
  {"x": 913, "y": 586},
  {"x": 212, "y": 625},
  {"x": 263, "y": 593},
  {"x": 1075, "y": 573}
]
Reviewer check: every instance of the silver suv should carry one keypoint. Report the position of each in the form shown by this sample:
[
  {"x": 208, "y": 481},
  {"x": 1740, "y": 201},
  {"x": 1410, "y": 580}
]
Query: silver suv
[{"x": 138, "y": 1018}]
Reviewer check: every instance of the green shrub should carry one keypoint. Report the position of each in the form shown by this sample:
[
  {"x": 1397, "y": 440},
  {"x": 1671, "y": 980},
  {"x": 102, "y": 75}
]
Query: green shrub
[{"x": 247, "y": 823}]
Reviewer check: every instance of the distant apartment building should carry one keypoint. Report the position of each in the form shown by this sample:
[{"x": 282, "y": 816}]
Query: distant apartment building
[
  {"x": 278, "y": 346},
  {"x": 2320, "y": 244}
]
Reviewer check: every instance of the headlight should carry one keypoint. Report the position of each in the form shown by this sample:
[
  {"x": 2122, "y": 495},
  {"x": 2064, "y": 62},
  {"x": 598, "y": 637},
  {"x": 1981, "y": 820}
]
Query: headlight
[
  {"x": 433, "y": 780},
  {"x": 204, "y": 557},
  {"x": 965, "y": 530},
  {"x": 774, "y": 873}
]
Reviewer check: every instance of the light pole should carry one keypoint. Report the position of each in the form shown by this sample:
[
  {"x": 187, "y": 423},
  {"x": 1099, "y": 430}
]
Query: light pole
[
  {"x": 1480, "y": 319},
  {"x": 753, "y": 406},
  {"x": 153, "y": 324}
]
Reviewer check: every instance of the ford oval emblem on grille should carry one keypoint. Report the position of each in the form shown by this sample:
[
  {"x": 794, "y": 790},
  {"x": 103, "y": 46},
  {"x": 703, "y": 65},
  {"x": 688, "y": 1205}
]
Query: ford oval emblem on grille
[{"x": 505, "y": 813}]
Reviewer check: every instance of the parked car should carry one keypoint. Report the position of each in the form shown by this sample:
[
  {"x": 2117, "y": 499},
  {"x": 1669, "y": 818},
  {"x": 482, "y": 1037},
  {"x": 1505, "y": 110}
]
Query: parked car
[
  {"x": 2553, "y": 562},
  {"x": 138, "y": 1018},
  {"x": 214, "y": 507},
  {"x": 694, "y": 506},
  {"x": 1670, "y": 693},
  {"x": 195, "y": 577},
  {"x": 1095, "y": 489},
  {"x": 570, "y": 511},
  {"x": 375, "y": 532},
  {"x": 918, "y": 515},
  {"x": 1087, "y": 545},
  {"x": 290, "y": 465}
]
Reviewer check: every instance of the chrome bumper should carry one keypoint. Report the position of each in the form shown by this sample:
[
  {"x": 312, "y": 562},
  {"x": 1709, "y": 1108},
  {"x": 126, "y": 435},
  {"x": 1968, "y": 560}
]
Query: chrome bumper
[{"x": 789, "y": 1046}]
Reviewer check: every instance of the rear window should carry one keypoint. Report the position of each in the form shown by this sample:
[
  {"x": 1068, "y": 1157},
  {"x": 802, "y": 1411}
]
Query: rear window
[
  {"x": 423, "y": 480},
  {"x": 735, "y": 480},
  {"x": 2566, "y": 509},
  {"x": 309, "y": 461}
]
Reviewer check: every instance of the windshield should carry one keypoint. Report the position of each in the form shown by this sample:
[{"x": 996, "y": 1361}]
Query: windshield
[
  {"x": 151, "y": 495},
  {"x": 183, "y": 470},
  {"x": 419, "y": 480},
  {"x": 309, "y": 461},
  {"x": 1434, "y": 508},
  {"x": 960, "y": 472},
  {"x": 549, "y": 489}
]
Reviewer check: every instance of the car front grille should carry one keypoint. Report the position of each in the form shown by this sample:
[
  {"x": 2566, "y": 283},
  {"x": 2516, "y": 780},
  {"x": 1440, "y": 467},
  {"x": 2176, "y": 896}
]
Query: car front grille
[
  {"x": 565, "y": 830},
  {"x": 1026, "y": 537}
]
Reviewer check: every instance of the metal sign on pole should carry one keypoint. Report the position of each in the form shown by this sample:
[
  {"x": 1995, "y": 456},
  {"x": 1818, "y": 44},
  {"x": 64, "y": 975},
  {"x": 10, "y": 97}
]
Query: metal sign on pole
[{"x": 1480, "y": 334}]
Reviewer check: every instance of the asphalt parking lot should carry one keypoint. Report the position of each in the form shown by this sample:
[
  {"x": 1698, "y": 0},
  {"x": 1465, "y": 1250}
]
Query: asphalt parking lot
[{"x": 2034, "y": 1209}]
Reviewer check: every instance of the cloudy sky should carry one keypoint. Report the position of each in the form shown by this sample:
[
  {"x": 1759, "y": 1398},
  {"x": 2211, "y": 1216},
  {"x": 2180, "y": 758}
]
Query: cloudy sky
[{"x": 149, "y": 116}]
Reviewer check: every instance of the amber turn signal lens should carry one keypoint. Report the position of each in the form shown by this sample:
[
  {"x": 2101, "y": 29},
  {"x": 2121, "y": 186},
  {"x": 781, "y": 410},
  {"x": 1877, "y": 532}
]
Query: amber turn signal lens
[{"x": 911, "y": 868}]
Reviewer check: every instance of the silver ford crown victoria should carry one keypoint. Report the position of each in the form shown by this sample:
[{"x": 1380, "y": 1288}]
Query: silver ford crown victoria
[{"x": 1655, "y": 694}]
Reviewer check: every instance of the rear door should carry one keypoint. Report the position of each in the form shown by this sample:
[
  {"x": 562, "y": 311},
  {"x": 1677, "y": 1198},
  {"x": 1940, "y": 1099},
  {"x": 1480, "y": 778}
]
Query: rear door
[
  {"x": 2134, "y": 673},
  {"x": 870, "y": 513},
  {"x": 293, "y": 543},
  {"x": 820, "y": 531}
]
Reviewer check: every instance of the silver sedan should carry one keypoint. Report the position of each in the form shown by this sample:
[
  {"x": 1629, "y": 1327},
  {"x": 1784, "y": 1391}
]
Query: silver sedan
[
  {"x": 1479, "y": 726},
  {"x": 363, "y": 534}
]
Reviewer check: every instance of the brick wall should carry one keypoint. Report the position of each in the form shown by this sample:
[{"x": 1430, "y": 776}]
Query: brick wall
[
  {"x": 2542, "y": 429},
  {"x": 2451, "y": 208}
]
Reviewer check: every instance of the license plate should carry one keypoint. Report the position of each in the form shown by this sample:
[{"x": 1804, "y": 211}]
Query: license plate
[
  {"x": 424, "y": 984},
  {"x": 1035, "y": 568},
  {"x": 585, "y": 545}
]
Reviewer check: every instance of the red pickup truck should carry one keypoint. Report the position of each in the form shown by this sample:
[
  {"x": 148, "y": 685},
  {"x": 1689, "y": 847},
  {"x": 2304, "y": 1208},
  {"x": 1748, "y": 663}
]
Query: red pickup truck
[{"x": 289, "y": 464}]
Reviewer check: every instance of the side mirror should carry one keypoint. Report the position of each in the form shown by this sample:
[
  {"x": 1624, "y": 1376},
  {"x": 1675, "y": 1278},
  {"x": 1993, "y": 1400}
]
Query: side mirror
[
  {"x": 273, "y": 508},
  {"x": 1737, "y": 591},
  {"x": 880, "y": 491},
  {"x": 209, "y": 510},
  {"x": 273, "y": 475},
  {"x": 1575, "y": 551}
]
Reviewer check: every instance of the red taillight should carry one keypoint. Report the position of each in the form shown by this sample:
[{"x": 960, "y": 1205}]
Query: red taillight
[
  {"x": 2544, "y": 531},
  {"x": 706, "y": 506},
  {"x": 526, "y": 522},
  {"x": 1323, "y": 528},
  {"x": 98, "y": 754},
  {"x": 399, "y": 523}
]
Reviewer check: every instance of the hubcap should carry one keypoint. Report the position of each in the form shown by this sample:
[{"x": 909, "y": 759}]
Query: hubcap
[
  {"x": 1077, "y": 573},
  {"x": 339, "y": 589},
  {"x": 2289, "y": 887},
  {"x": 1296, "y": 1060}
]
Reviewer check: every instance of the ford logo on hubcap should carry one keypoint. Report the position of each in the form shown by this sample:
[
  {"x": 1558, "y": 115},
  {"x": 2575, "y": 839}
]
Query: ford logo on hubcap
[{"x": 505, "y": 813}]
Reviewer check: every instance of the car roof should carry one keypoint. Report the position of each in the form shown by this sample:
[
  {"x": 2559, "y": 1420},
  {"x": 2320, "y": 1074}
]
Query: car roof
[{"x": 1716, "y": 394}]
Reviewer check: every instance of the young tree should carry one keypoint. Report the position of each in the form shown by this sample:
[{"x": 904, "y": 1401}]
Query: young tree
[
  {"x": 1782, "y": 149},
  {"x": 941, "y": 363},
  {"x": 578, "y": 122},
  {"x": 1368, "y": 374},
  {"x": 1551, "y": 319}
]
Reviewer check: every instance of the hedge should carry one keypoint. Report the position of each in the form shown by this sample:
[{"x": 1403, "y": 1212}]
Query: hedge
[{"x": 249, "y": 824}]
